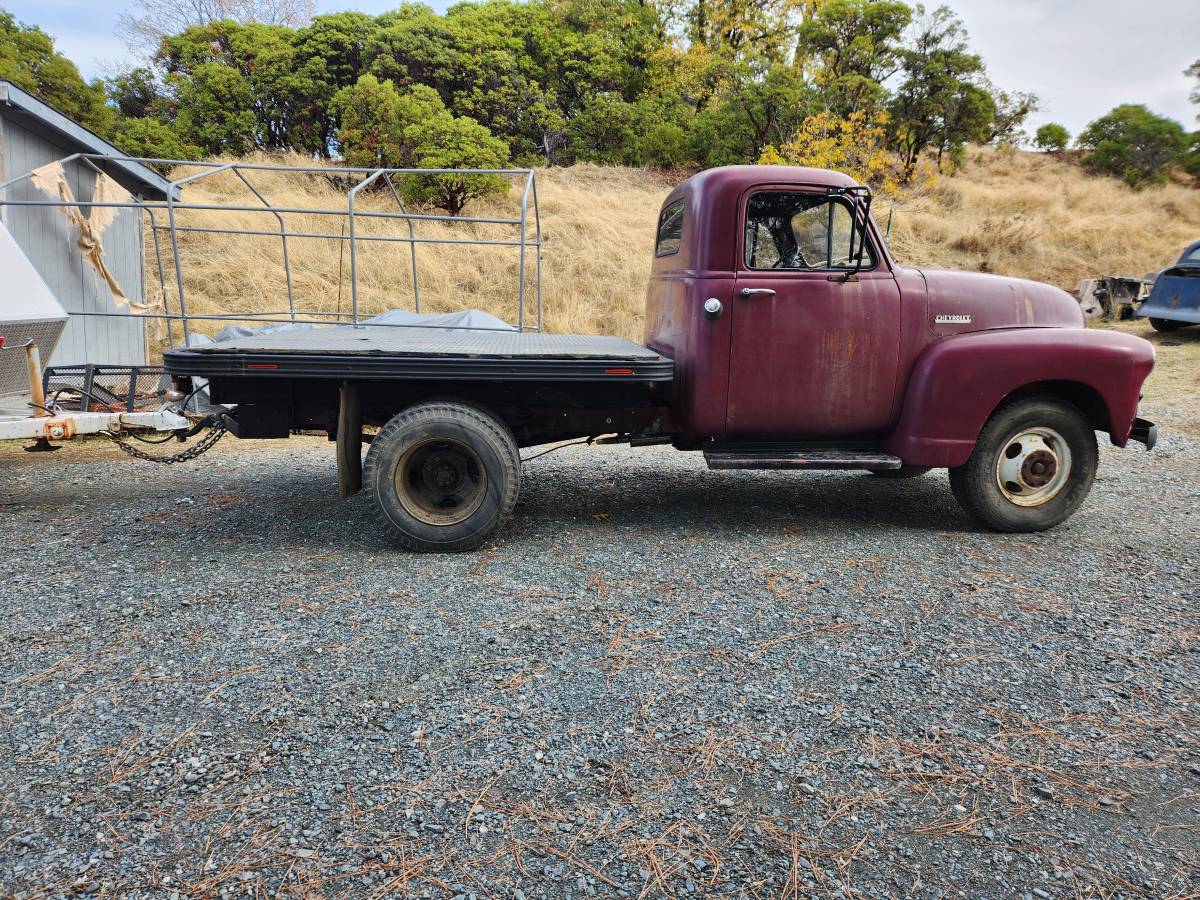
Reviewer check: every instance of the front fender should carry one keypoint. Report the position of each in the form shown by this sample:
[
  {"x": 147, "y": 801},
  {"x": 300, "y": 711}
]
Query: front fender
[{"x": 957, "y": 383}]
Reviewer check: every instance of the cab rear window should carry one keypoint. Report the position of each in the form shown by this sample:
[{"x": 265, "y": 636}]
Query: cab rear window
[{"x": 670, "y": 230}]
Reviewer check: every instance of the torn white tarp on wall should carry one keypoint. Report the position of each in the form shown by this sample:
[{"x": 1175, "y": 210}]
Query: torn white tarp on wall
[{"x": 52, "y": 181}]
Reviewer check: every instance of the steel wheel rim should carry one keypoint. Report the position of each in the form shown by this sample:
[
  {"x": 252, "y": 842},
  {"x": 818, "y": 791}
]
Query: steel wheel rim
[
  {"x": 441, "y": 481},
  {"x": 1033, "y": 466}
]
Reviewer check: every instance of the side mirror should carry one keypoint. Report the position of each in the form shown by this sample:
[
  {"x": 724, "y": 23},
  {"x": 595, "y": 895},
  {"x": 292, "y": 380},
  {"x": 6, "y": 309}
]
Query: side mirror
[{"x": 860, "y": 197}]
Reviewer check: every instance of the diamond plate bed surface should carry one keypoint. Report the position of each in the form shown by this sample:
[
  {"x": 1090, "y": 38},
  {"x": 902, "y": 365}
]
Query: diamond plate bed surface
[{"x": 380, "y": 341}]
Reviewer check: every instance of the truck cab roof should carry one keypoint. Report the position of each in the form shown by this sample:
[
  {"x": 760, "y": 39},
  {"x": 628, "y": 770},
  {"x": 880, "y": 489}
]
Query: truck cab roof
[{"x": 709, "y": 202}]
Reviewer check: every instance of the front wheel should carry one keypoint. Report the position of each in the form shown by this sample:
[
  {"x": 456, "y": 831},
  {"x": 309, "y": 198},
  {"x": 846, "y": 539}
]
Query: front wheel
[
  {"x": 1032, "y": 466},
  {"x": 442, "y": 476}
]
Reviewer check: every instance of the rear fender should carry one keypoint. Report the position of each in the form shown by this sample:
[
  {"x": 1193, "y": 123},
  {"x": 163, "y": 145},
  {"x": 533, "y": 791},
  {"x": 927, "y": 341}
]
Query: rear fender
[{"x": 959, "y": 381}]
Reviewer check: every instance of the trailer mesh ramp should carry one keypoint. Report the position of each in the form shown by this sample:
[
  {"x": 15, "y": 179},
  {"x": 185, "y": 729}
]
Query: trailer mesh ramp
[{"x": 98, "y": 388}]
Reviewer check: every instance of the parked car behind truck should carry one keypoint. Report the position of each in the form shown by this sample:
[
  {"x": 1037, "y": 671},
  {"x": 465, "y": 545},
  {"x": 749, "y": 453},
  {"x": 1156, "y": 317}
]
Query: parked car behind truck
[
  {"x": 780, "y": 334},
  {"x": 1174, "y": 300}
]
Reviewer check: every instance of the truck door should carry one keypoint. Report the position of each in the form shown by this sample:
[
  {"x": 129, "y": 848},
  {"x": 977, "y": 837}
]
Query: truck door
[{"x": 813, "y": 354}]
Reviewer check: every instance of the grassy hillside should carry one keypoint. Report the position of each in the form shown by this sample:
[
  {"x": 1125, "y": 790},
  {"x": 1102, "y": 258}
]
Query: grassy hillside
[
  {"x": 1011, "y": 213},
  {"x": 1020, "y": 214},
  {"x": 1039, "y": 217}
]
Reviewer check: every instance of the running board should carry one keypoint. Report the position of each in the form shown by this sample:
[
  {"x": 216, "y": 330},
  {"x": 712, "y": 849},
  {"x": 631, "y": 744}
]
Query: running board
[{"x": 800, "y": 459}]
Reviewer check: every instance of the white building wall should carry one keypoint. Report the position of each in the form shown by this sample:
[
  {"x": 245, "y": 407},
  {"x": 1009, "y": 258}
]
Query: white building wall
[{"x": 49, "y": 242}]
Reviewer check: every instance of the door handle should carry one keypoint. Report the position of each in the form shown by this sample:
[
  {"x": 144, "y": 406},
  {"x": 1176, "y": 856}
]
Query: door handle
[{"x": 757, "y": 292}]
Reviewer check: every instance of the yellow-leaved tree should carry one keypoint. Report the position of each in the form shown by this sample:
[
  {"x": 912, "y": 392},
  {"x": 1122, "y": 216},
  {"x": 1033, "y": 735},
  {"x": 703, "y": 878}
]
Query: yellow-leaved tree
[{"x": 853, "y": 145}]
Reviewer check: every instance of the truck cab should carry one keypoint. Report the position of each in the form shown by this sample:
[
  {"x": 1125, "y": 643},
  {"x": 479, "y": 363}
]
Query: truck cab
[{"x": 800, "y": 343}]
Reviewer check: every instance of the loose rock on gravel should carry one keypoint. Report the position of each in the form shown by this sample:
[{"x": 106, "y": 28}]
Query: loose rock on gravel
[{"x": 659, "y": 681}]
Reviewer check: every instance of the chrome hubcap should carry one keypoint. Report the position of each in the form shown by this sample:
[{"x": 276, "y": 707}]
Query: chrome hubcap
[{"x": 1033, "y": 467}]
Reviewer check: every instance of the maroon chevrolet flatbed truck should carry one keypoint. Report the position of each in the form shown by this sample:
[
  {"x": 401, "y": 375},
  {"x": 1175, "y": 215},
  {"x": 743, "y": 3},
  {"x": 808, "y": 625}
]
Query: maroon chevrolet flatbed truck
[{"x": 780, "y": 334}]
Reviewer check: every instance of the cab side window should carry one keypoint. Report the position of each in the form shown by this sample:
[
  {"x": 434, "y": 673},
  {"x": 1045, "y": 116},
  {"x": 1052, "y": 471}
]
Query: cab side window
[{"x": 792, "y": 230}]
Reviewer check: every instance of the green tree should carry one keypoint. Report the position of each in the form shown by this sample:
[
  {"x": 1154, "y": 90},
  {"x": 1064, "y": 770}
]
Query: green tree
[
  {"x": 450, "y": 142},
  {"x": 371, "y": 132},
  {"x": 257, "y": 68},
  {"x": 752, "y": 114},
  {"x": 612, "y": 131},
  {"x": 215, "y": 110},
  {"x": 941, "y": 103},
  {"x": 1193, "y": 71},
  {"x": 855, "y": 45},
  {"x": 136, "y": 93},
  {"x": 412, "y": 129},
  {"x": 1133, "y": 144},
  {"x": 523, "y": 70},
  {"x": 1052, "y": 137},
  {"x": 28, "y": 60},
  {"x": 633, "y": 82},
  {"x": 1191, "y": 159},
  {"x": 1012, "y": 109}
]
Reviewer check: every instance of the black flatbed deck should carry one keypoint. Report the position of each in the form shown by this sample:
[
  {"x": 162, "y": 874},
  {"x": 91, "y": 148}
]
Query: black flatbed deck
[{"x": 382, "y": 352}]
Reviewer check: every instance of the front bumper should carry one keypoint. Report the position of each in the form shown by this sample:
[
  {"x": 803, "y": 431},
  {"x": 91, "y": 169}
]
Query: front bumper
[{"x": 1144, "y": 432}]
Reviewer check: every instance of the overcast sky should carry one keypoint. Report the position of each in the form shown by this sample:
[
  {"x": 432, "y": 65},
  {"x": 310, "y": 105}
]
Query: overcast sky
[{"x": 1082, "y": 57}]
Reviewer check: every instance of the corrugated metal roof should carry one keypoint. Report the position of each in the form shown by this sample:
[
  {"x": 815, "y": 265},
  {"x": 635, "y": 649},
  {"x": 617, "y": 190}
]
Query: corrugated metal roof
[{"x": 133, "y": 176}]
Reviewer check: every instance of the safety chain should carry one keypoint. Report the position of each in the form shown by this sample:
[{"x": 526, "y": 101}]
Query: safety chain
[{"x": 215, "y": 433}]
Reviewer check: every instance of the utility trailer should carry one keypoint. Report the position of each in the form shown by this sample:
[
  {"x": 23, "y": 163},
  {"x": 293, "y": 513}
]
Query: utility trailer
[{"x": 780, "y": 334}]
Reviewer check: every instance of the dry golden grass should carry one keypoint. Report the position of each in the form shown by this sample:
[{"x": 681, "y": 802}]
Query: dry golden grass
[
  {"x": 1011, "y": 213},
  {"x": 1036, "y": 216}
]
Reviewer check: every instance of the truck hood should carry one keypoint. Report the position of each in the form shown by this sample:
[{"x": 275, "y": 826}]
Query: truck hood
[{"x": 974, "y": 301}]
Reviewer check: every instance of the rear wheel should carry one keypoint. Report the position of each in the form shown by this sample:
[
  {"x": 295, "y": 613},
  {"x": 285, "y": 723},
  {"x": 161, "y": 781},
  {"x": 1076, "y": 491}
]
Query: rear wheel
[
  {"x": 442, "y": 476},
  {"x": 1033, "y": 465}
]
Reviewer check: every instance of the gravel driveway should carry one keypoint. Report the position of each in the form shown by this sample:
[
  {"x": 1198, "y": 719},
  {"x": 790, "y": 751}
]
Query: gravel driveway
[{"x": 660, "y": 681}]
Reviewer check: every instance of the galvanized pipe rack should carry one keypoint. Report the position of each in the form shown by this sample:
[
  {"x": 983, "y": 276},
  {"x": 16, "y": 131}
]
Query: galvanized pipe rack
[{"x": 351, "y": 214}]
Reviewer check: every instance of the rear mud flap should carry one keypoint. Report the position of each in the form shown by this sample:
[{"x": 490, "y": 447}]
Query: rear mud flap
[{"x": 349, "y": 441}]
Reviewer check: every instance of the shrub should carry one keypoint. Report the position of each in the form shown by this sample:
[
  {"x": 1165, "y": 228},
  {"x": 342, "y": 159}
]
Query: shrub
[{"x": 1052, "y": 137}]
